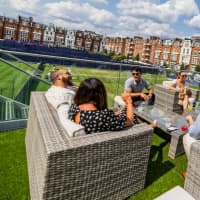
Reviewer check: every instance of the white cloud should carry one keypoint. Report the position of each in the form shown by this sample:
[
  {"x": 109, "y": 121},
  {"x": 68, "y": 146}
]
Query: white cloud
[
  {"x": 99, "y": 1},
  {"x": 12, "y": 8},
  {"x": 166, "y": 12},
  {"x": 134, "y": 26},
  {"x": 131, "y": 17},
  {"x": 74, "y": 26},
  {"x": 194, "y": 22},
  {"x": 78, "y": 12},
  {"x": 26, "y": 5}
]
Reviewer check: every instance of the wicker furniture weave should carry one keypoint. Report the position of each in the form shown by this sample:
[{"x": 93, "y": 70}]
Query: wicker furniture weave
[
  {"x": 192, "y": 181},
  {"x": 107, "y": 165},
  {"x": 168, "y": 100}
]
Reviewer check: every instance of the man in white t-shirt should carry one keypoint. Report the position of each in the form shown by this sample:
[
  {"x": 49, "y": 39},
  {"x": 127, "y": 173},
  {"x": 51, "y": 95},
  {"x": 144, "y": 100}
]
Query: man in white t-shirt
[{"x": 60, "y": 95}]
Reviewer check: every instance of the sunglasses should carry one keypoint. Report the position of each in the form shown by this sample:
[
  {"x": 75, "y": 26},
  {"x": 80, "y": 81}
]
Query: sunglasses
[
  {"x": 184, "y": 75},
  {"x": 135, "y": 74}
]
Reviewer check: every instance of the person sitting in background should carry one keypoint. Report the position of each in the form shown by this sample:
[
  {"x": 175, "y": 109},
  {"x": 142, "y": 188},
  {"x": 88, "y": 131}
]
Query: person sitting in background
[
  {"x": 60, "y": 95},
  {"x": 192, "y": 136},
  {"x": 91, "y": 109},
  {"x": 179, "y": 85},
  {"x": 188, "y": 95},
  {"x": 135, "y": 86}
]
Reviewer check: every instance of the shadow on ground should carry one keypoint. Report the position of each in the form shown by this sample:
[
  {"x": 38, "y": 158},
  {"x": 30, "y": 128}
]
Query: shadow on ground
[{"x": 157, "y": 167}]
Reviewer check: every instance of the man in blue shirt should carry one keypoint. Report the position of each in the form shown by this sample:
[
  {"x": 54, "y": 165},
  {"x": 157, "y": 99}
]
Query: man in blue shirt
[
  {"x": 193, "y": 133},
  {"x": 192, "y": 136},
  {"x": 135, "y": 86}
]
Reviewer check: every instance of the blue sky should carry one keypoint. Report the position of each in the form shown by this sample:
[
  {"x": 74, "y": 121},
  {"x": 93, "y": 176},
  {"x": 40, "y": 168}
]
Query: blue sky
[{"x": 127, "y": 18}]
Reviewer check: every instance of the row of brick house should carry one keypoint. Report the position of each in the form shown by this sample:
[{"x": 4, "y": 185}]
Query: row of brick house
[
  {"x": 155, "y": 50},
  {"x": 151, "y": 50},
  {"x": 26, "y": 30}
]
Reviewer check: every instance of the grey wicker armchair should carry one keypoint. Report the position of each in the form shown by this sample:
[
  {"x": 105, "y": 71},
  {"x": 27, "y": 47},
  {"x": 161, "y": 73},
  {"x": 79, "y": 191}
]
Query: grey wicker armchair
[
  {"x": 168, "y": 100},
  {"x": 192, "y": 181},
  {"x": 107, "y": 165},
  {"x": 191, "y": 189}
]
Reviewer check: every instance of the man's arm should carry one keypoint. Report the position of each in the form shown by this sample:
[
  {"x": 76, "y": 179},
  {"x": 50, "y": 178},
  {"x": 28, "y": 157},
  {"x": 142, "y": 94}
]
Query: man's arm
[
  {"x": 135, "y": 94},
  {"x": 129, "y": 89},
  {"x": 150, "y": 91},
  {"x": 194, "y": 129},
  {"x": 172, "y": 86}
]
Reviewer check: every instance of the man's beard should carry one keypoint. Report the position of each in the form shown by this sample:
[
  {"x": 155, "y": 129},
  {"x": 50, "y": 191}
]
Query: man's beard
[{"x": 66, "y": 81}]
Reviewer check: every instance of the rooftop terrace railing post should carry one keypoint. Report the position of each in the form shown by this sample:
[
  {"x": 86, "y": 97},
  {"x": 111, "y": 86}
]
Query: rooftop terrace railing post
[
  {"x": 118, "y": 80},
  {"x": 9, "y": 110},
  {"x": 13, "y": 88},
  {"x": 24, "y": 112}
]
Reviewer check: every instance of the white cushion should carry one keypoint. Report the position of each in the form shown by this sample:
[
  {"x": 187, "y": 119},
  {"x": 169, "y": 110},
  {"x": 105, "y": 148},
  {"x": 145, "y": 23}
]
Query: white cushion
[
  {"x": 71, "y": 127},
  {"x": 167, "y": 83},
  {"x": 175, "y": 193},
  {"x": 119, "y": 102}
]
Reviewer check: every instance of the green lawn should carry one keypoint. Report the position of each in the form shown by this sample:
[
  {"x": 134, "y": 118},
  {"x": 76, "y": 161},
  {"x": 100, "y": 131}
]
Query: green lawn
[
  {"x": 163, "y": 172},
  {"x": 12, "y": 80},
  {"x": 13, "y": 167}
]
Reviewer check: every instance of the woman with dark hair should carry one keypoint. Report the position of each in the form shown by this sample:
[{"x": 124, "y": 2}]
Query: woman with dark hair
[{"x": 91, "y": 109}]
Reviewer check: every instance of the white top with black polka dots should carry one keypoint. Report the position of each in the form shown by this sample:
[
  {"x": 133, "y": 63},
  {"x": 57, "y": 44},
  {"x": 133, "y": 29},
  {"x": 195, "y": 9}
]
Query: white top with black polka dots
[{"x": 98, "y": 120}]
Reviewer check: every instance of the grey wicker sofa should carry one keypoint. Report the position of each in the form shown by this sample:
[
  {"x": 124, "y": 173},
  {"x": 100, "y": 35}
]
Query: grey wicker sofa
[{"x": 107, "y": 165}]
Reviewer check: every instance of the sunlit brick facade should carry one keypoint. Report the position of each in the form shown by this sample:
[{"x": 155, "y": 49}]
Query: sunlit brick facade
[
  {"x": 70, "y": 39},
  {"x": 37, "y": 32},
  {"x": 10, "y": 28},
  {"x": 195, "y": 54},
  {"x": 158, "y": 52},
  {"x": 149, "y": 49},
  {"x": 186, "y": 50},
  {"x": 96, "y": 43},
  {"x": 26, "y": 30},
  {"x": 79, "y": 40},
  {"x": 175, "y": 52},
  {"x": 59, "y": 36},
  {"x": 115, "y": 45},
  {"x": 129, "y": 48},
  {"x": 138, "y": 46}
]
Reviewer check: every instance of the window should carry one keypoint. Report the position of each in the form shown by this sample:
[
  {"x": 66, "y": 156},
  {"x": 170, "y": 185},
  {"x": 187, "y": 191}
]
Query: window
[
  {"x": 36, "y": 36},
  {"x": 194, "y": 61},
  {"x": 187, "y": 44},
  {"x": 165, "y": 55},
  {"x": 157, "y": 54},
  {"x": 174, "y": 57},
  {"x": 23, "y": 36},
  {"x": 9, "y": 33}
]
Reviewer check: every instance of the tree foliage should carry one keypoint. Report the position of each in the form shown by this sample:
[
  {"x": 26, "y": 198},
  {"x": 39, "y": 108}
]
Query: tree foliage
[
  {"x": 197, "y": 68},
  {"x": 137, "y": 57},
  {"x": 182, "y": 67}
]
